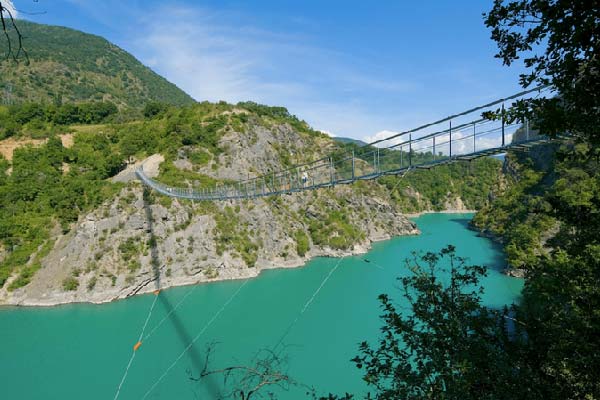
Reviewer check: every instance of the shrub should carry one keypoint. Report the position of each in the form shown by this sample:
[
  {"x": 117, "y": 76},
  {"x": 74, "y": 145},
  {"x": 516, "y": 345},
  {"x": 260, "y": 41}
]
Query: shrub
[
  {"x": 302, "y": 243},
  {"x": 92, "y": 283},
  {"x": 70, "y": 284},
  {"x": 129, "y": 248}
]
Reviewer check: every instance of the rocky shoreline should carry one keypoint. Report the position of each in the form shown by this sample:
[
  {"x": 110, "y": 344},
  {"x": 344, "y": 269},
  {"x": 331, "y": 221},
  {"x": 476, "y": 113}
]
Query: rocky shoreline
[
  {"x": 148, "y": 286},
  {"x": 508, "y": 270},
  {"x": 230, "y": 269},
  {"x": 118, "y": 250},
  {"x": 448, "y": 211}
]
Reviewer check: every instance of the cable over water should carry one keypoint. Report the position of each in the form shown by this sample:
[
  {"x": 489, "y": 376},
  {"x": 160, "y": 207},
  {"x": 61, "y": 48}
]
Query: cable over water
[
  {"x": 189, "y": 346},
  {"x": 162, "y": 321},
  {"x": 307, "y": 304},
  {"x": 136, "y": 347}
]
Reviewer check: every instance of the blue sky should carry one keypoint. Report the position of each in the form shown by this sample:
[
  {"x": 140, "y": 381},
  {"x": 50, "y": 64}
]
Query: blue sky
[{"x": 352, "y": 68}]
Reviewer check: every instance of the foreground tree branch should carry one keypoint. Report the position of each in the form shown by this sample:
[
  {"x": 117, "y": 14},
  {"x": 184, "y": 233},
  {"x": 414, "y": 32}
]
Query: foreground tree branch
[
  {"x": 8, "y": 25},
  {"x": 559, "y": 44},
  {"x": 248, "y": 382}
]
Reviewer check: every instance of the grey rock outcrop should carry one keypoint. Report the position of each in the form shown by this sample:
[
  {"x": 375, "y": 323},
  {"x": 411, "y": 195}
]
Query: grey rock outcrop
[{"x": 140, "y": 241}]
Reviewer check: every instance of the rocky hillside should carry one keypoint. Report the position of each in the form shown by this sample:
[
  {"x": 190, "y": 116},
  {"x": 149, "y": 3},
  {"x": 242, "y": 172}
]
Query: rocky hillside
[
  {"x": 521, "y": 217},
  {"x": 135, "y": 239},
  {"x": 75, "y": 225},
  {"x": 66, "y": 66}
]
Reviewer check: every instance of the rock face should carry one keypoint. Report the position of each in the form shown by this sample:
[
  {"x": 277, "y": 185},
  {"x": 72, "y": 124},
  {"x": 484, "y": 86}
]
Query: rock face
[
  {"x": 261, "y": 150},
  {"x": 455, "y": 203},
  {"x": 141, "y": 241},
  {"x": 135, "y": 245}
]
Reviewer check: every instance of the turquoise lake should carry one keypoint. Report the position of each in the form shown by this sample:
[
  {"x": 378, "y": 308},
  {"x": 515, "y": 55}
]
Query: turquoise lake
[{"x": 81, "y": 351}]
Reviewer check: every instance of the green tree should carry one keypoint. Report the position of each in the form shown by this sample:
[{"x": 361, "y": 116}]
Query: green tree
[
  {"x": 55, "y": 151},
  {"x": 154, "y": 108},
  {"x": 561, "y": 300},
  {"x": 446, "y": 345},
  {"x": 558, "y": 41}
]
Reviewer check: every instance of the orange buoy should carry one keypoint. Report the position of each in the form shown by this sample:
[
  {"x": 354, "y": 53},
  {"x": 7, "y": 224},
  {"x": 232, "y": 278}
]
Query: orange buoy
[
  {"x": 137, "y": 346},
  {"x": 156, "y": 292}
]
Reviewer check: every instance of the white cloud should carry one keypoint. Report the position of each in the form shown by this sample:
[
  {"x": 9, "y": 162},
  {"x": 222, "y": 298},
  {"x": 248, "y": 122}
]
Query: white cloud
[
  {"x": 483, "y": 140},
  {"x": 213, "y": 61},
  {"x": 384, "y": 134},
  {"x": 8, "y": 5}
]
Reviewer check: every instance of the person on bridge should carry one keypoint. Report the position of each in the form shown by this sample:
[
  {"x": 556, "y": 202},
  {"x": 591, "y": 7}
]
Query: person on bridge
[{"x": 304, "y": 178}]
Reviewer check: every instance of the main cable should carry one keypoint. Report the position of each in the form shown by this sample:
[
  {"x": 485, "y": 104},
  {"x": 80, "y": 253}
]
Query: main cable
[
  {"x": 189, "y": 346},
  {"x": 307, "y": 304},
  {"x": 135, "y": 348}
]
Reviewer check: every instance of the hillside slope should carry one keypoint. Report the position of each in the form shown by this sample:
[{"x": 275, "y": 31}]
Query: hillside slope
[
  {"x": 112, "y": 239},
  {"x": 74, "y": 227},
  {"x": 522, "y": 216},
  {"x": 67, "y": 65}
]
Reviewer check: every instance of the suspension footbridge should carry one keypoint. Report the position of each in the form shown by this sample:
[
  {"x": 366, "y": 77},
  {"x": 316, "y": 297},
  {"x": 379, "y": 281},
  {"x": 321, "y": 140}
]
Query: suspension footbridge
[{"x": 457, "y": 138}]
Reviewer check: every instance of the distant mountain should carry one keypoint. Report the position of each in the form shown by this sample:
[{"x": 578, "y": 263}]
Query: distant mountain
[
  {"x": 350, "y": 140},
  {"x": 67, "y": 65}
]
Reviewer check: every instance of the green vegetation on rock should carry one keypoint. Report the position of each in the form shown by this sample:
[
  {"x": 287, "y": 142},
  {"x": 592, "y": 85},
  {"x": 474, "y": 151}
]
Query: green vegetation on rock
[
  {"x": 335, "y": 230},
  {"x": 521, "y": 217},
  {"x": 69, "y": 284},
  {"x": 232, "y": 235},
  {"x": 302, "y": 242},
  {"x": 39, "y": 195},
  {"x": 438, "y": 188}
]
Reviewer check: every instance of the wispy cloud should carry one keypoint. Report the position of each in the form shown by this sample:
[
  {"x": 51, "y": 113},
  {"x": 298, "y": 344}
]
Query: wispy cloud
[
  {"x": 214, "y": 56},
  {"x": 216, "y": 62},
  {"x": 381, "y": 135}
]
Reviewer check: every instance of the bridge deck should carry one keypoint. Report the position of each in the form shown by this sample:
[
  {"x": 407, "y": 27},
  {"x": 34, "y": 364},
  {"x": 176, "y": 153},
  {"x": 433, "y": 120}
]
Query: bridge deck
[{"x": 325, "y": 174}]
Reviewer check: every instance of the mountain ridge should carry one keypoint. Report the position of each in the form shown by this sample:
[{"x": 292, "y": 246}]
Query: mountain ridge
[{"x": 68, "y": 65}]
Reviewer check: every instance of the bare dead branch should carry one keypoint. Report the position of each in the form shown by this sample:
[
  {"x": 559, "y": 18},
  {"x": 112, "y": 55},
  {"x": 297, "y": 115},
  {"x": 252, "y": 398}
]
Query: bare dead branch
[
  {"x": 8, "y": 24},
  {"x": 246, "y": 382}
]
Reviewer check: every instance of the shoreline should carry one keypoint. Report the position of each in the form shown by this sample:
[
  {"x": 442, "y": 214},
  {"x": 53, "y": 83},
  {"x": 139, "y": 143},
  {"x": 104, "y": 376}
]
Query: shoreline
[
  {"x": 240, "y": 274},
  {"x": 231, "y": 275},
  {"x": 449, "y": 211},
  {"x": 176, "y": 283}
]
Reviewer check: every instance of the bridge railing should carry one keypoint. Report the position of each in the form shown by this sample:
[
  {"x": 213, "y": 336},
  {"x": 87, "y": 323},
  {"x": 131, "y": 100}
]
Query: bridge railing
[{"x": 459, "y": 137}]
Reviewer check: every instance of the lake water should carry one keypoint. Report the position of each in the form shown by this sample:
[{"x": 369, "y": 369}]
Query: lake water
[{"x": 81, "y": 351}]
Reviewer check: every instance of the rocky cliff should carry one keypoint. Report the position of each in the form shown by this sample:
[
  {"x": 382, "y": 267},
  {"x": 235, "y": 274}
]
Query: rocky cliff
[{"x": 140, "y": 241}]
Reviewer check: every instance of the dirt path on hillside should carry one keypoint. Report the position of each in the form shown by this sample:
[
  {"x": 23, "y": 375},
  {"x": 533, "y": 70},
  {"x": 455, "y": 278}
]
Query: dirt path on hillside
[
  {"x": 8, "y": 146},
  {"x": 150, "y": 164}
]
